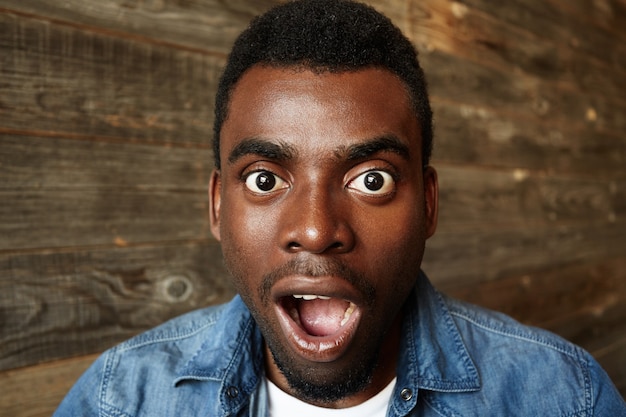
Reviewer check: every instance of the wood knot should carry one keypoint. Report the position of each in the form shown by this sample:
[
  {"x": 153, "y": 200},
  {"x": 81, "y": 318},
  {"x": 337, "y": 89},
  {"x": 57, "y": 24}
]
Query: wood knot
[{"x": 176, "y": 288}]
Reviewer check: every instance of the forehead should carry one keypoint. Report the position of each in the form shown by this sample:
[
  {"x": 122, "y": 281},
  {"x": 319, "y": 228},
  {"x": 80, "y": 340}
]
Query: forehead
[{"x": 316, "y": 109}]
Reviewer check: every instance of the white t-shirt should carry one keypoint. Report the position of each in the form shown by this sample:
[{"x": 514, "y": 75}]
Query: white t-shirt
[{"x": 282, "y": 404}]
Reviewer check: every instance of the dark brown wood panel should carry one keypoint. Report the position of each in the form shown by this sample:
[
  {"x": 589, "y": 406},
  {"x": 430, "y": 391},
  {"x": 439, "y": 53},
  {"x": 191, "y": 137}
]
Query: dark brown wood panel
[
  {"x": 536, "y": 132},
  {"x": 520, "y": 96},
  {"x": 472, "y": 197},
  {"x": 61, "y": 304},
  {"x": 36, "y": 163},
  {"x": 70, "y": 218},
  {"x": 66, "y": 192},
  {"x": 471, "y": 33},
  {"x": 546, "y": 297},
  {"x": 469, "y": 134},
  {"x": 607, "y": 14},
  {"x": 494, "y": 253},
  {"x": 546, "y": 20},
  {"x": 207, "y": 25},
  {"x": 59, "y": 79}
]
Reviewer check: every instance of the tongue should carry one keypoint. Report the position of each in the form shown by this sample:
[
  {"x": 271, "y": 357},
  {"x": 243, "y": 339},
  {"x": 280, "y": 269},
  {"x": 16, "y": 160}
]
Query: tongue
[{"x": 322, "y": 317}]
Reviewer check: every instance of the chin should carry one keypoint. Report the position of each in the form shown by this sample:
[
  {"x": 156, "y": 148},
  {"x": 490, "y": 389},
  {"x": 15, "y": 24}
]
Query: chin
[
  {"x": 325, "y": 382},
  {"x": 328, "y": 385}
]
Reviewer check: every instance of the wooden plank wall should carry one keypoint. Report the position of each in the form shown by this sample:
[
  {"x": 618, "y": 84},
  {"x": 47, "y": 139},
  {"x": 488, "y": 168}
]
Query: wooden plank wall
[{"x": 105, "y": 126}]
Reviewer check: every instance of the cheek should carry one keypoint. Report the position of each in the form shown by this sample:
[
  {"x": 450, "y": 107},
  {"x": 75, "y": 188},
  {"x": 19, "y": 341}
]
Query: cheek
[
  {"x": 246, "y": 238},
  {"x": 395, "y": 226},
  {"x": 398, "y": 245}
]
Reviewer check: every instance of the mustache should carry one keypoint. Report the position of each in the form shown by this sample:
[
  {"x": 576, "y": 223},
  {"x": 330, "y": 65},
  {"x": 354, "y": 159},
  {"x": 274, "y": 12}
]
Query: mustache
[{"x": 317, "y": 268}]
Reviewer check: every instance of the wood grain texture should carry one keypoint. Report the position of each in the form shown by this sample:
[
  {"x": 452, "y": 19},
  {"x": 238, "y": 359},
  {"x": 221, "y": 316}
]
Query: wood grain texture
[
  {"x": 66, "y": 192},
  {"x": 514, "y": 101},
  {"x": 471, "y": 33},
  {"x": 469, "y": 195},
  {"x": 549, "y": 297},
  {"x": 63, "y": 304},
  {"x": 205, "y": 25},
  {"x": 60, "y": 79},
  {"x": 491, "y": 254},
  {"x": 502, "y": 222},
  {"x": 518, "y": 96},
  {"x": 483, "y": 136},
  {"x": 553, "y": 20}
]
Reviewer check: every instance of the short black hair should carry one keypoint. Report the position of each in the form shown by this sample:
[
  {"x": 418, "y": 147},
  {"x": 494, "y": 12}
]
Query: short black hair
[{"x": 325, "y": 35}]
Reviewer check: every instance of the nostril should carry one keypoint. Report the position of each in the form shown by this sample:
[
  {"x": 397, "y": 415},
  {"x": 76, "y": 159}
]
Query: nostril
[
  {"x": 296, "y": 246},
  {"x": 336, "y": 245},
  {"x": 293, "y": 245}
]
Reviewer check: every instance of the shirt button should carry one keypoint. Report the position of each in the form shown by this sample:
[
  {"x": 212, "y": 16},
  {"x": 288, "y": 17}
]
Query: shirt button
[
  {"x": 406, "y": 394},
  {"x": 232, "y": 392}
]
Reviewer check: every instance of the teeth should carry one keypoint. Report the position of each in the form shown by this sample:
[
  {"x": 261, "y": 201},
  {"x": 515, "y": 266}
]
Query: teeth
[
  {"x": 308, "y": 297},
  {"x": 347, "y": 314}
]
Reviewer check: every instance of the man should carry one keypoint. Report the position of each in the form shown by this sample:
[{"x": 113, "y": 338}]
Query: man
[{"x": 323, "y": 199}]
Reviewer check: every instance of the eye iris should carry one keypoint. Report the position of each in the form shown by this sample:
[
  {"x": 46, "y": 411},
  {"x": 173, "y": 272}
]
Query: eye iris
[
  {"x": 374, "y": 181},
  {"x": 265, "y": 182}
]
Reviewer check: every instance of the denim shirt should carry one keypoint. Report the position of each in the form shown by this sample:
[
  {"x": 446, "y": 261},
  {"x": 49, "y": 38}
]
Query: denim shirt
[{"x": 455, "y": 360}]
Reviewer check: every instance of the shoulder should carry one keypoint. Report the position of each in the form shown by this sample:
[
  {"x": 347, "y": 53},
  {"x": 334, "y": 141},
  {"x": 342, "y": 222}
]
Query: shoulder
[
  {"x": 144, "y": 368},
  {"x": 179, "y": 330},
  {"x": 531, "y": 368},
  {"x": 495, "y": 327}
]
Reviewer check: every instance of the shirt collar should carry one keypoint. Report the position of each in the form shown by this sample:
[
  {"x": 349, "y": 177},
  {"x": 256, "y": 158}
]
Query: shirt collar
[
  {"x": 434, "y": 355},
  {"x": 232, "y": 356}
]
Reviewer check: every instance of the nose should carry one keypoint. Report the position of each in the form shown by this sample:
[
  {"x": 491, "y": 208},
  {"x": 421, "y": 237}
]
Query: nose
[{"x": 317, "y": 222}]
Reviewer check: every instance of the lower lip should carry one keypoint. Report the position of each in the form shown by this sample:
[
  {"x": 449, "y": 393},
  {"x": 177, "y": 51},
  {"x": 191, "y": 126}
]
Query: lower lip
[{"x": 318, "y": 348}]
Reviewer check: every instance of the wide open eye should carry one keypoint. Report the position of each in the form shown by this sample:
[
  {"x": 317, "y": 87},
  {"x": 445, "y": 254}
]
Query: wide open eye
[
  {"x": 376, "y": 183},
  {"x": 262, "y": 182}
]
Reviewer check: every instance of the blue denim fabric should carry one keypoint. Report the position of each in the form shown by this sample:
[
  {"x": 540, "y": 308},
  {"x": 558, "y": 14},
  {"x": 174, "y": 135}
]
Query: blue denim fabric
[{"x": 456, "y": 360}]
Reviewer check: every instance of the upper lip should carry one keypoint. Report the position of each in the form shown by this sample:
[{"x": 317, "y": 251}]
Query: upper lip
[{"x": 326, "y": 286}]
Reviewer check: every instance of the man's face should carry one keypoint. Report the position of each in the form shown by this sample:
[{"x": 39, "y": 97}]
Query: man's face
[{"x": 323, "y": 208}]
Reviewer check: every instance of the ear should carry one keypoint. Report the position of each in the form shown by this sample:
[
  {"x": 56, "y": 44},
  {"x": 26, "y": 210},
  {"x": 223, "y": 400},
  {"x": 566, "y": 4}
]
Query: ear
[
  {"x": 431, "y": 200},
  {"x": 215, "y": 201}
]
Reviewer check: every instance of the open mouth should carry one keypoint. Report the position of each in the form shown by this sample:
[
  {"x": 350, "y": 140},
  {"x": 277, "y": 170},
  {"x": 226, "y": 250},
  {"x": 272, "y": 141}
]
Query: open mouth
[
  {"x": 320, "y": 327},
  {"x": 318, "y": 315}
]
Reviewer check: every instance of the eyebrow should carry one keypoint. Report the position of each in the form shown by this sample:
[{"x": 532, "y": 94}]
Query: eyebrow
[
  {"x": 261, "y": 147},
  {"x": 385, "y": 143},
  {"x": 282, "y": 151}
]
